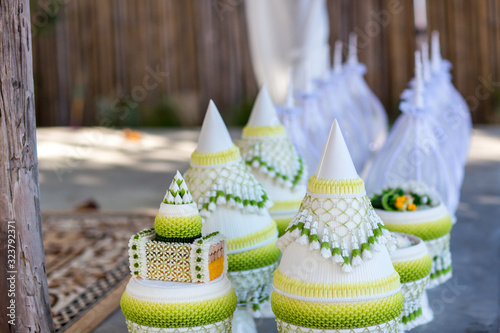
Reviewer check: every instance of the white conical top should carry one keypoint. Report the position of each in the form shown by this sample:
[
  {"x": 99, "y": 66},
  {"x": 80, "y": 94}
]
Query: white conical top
[
  {"x": 353, "y": 48},
  {"x": 178, "y": 193},
  {"x": 336, "y": 162},
  {"x": 214, "y": 136},
  {"x": 263, "y": 112},
  {"x": 425, "y": 62},
  {"x": 419, "y": 82},
  {"x": 337, "y": 57},
  {"x": 436, "y": 52},
  {"x": 290, "y": 99}
]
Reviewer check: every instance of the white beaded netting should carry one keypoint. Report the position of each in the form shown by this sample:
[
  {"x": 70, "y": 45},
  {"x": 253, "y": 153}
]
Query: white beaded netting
[
  {"x": 230, "y": 184},
  {"x": 412, "y": 152},
  {"x": 274, "y": 156},
  {"x": 344, "y": 228}
]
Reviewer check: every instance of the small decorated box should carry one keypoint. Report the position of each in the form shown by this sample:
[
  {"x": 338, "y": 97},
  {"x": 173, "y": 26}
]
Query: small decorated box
[{"x": 203, "y": 260}]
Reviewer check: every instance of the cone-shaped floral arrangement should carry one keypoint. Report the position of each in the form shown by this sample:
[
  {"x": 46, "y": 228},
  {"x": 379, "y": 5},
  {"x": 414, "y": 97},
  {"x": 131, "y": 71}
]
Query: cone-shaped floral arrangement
[
  {"x": 412, "y": 152},
  {"x": 413, "y": 264},
  {"x": 414, "y": 208},
  {"x": 336, "y": 273},
  {"x": 179, "y": 281},
  {"x": 231, "y": 200},
  {"x": 273, "y": 160}
]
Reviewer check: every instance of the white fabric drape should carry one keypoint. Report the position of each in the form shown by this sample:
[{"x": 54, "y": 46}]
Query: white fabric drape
[{"x": 285, "y": 33}]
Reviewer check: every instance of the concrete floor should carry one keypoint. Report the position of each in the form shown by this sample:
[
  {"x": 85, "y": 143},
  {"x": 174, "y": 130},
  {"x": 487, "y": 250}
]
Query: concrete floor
[{"x": 121, "y": 174}]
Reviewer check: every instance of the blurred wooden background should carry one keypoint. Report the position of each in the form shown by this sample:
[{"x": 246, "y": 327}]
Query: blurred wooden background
[{"x": 136, "y": 63}]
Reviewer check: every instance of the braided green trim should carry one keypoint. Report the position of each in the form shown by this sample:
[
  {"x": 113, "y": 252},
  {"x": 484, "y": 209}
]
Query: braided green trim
[
  {"x": 189, "y": 240},
  {"x": 344, "y": 186},
  {"x": 178, "y": 227},
  {"x": 426, "y": 230},
  {"x": 413, "y": 270},
  {"x": 186, "y": 314},
  {"x": 301, "y": 288},
  {"x": 259, "y": 257},
  {"x": 226, "y": 156},
  {"x": 342, "y": 315}
]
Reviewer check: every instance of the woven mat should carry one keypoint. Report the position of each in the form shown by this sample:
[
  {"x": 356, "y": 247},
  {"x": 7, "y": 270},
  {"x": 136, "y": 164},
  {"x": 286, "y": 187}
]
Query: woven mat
[{"x": 87, "y": 258}]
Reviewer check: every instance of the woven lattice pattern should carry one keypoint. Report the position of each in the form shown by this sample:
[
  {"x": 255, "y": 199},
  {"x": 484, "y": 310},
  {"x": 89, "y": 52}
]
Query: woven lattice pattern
[
  {"x": 413, "y": 270},
  {"x": 336, "y": 315},
  {"x": 223, "y": 326},
  {"x": 230, "y": 184},
  {"x": 346, "y": 228},
  {"x": 252, "y": 284},
  {"x": 391, "y": 326},
  {"x": 168, "y": 261},
  {"x": 185, "y": 314},
  {"x": 439, "y": 251},
  {"x": 412, "y": 293},
  {"x": 274, "y": 156}
]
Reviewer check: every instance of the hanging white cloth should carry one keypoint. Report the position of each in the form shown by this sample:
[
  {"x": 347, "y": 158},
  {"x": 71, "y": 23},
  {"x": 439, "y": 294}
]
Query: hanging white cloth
[
  {"x": 373, "y": 111},
  {"x": 283, "y": 33},
  {"x": 412, "y": 151},
  {"x": 455, "y": 110}
]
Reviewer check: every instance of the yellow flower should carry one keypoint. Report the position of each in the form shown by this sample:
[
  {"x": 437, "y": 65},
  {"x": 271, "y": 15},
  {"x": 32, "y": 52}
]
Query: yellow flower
[
  {"x": 412, "y": 207},
  {"x": 398, "y": 204}
]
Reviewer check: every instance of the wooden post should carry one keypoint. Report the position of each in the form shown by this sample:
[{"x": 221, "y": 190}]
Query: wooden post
[{"x": 24, "y": 299}]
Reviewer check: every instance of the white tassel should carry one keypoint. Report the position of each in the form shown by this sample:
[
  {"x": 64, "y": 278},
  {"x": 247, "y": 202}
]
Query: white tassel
[
  {"x": 314, "y": 246},
  {"x": 366, "y": 254},
  {"x": 338, "y": 258},
  {"x": 357, "y": 260},
  {"x": 255, "y": 164},
  {"x": 382, "y": 240},
  {"x": 296, "y": 233},
  {"x": 303, "y": 239},
  {"x": 221, "y": 200},
  {"x": 391, "y": 248},
  {"x": 211, "y": 207},
  {"x": 326, "y": 253},
  {"x": 386, "y": 233},
  {"x": 347, "y": 268}
]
